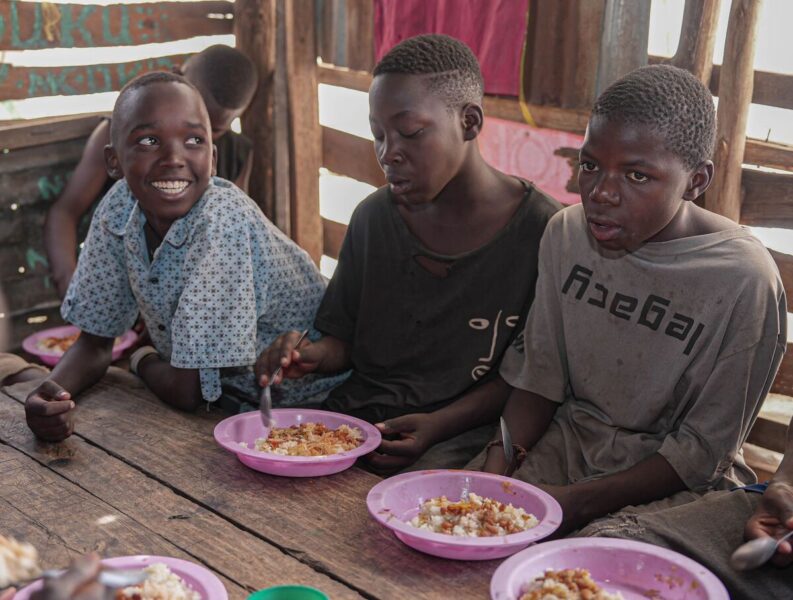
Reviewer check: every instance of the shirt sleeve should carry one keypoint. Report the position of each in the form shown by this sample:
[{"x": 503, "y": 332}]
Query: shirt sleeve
[
  {"x": 100, "y": 300},
  {"x": 536, "y": 361},
  {"x": 338, "y": 312},
  {"x": 721, "y": 414}
]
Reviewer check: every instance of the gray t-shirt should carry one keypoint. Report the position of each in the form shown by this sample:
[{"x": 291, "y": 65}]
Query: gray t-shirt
[
  {"x": 669, "y": 349},
  {"x": 421, "y": 340}
]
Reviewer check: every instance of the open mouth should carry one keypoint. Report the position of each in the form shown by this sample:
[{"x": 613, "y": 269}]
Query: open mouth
[
  {"x": 171, "y": 188},
  {"x": 398, "y": 185},
  {"x": 604, "y": 231}
]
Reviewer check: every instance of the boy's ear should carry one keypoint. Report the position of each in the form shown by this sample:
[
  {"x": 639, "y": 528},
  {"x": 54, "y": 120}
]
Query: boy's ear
[
  {"x": 473, "y": 119},
  {"x": 112, "y": 163},
  {"x": 178, "y": 69},
  {"x": 699, "y": 181}
]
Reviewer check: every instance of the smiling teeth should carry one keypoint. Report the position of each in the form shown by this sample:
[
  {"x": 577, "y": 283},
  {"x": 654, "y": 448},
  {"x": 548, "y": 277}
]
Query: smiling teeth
[{"x": 171, "y": 187}]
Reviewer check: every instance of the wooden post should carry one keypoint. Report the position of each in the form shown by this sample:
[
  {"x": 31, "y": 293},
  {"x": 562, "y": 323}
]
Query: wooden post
[
  {"x": 282, "y": 202},
  {"x": 255, "y": 28},
  {"x": 623, "y": 45},
  {"x": 698, "y": 38},
  {"x": 735, "y": 95},
  {"x": 305, "y": 145},
  {"x": 360, "y": 34}
]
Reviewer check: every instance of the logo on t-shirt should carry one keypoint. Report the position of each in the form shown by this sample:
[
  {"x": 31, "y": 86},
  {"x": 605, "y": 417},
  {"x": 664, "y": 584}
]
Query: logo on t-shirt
[
  {"x": 484, "y": 324},
  {"x": 655, "y": 312}
]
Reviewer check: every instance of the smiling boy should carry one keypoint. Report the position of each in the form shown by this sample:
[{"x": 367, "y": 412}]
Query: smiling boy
[
  {"x": 436, "y": 272},
  {"x": 658, "y": 326},
  {"x": 212, "y": 279}
]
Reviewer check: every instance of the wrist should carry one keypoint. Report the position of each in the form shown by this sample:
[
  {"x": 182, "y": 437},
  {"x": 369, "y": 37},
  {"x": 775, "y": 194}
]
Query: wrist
[{"x": 139, "y": 356}]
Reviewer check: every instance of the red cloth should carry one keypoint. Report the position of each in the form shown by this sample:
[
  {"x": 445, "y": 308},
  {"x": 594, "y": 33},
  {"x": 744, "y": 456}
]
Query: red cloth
[{"x": 494, "y": 29}]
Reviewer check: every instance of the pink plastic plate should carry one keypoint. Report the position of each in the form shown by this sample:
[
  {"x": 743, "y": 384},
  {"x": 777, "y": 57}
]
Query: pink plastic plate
[
  {"x": 637, "y": 570},
  {"x": 197, "y": 577},
  {"x": 247, "y": 428},
  {"x": 51, "y": 357},
  {"x": 396, "y": 500}
]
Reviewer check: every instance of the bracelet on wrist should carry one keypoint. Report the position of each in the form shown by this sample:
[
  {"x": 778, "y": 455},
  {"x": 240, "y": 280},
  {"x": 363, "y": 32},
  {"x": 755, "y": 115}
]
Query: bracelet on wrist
[
  {"x": 138, "y": 356},
  {"x": 520, "y": 451}
]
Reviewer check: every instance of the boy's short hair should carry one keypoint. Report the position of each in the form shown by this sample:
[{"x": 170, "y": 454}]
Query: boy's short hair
[
  {"x": 672, "y": 102},
  {"x": 224, "y": 72},
  {"x": 453, "y": 70},
  {"x": 142, "y": 81}
]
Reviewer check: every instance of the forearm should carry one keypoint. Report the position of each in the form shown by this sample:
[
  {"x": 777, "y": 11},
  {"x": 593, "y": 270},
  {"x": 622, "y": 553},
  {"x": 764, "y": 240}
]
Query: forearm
[
  {"x": 60, "y": 243},
  {"x": 648, "y": 480},
  {"x": 84, "y": 363},
  {"x": 180, "y": 388},
  {"x": 528, "y": 416},
  {"x": 336, "y": 355},
  {"x": 483, "y": 404}
]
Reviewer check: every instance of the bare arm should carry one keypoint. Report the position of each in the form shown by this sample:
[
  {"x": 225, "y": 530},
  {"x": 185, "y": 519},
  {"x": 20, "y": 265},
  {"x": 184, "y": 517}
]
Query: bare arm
[
  {"x": 60, "y": 227},
  {"x": 243, "y": 179},
  {"x": 327, "y": 355},
  {"x": 180, "y": 388}
]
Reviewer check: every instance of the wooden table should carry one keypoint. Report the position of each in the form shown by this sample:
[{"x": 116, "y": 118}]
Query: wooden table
[{"x": 141, "y": 478}]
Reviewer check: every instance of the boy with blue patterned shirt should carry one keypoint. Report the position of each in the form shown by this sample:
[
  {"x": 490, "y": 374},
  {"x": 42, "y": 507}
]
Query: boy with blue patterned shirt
[{"x": 214, "y": 281}]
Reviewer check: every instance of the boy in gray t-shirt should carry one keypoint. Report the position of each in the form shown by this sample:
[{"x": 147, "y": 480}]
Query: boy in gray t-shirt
[{"x": 657, "y": 326}]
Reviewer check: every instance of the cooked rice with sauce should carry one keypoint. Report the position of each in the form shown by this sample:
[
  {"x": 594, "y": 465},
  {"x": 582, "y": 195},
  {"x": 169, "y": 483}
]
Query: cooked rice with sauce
[
  {"x": 18, "y": 561},
  {"x": 162, "y": 584},
  {"x": 310, "y": 439},
  {"x": 62, "y": 344},
  {"x": 474, "y": 517},
  {"x": 568, "y": 584}
]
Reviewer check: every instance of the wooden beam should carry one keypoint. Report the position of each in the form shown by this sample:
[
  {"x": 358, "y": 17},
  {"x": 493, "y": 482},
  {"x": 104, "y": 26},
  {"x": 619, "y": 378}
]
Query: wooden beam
[
  {"x": 623, "y": 43},
  {"x": 360, "y": 34},
  {"x": 783, "y": 384},
  {"x": 305, "y": 155},
  {"x": 767, "y": 199},
  {"x": 254, "y": 28},
  {"x": 768, "y": 154},
  {"x": 698, "y": 38},
  {"x": 784, "y": 263},
  {"x": 17, "y": 83},
  {"x": 350, "y": 155},
  {"x": 333, "y": 234},
  {"x": 735, "y": 94},
  {"x": 770, "y": 89},
  {"x": 36, "y": 25},
  {"x": 343, "y": 77},
  {"x": 48, "y": 130}
]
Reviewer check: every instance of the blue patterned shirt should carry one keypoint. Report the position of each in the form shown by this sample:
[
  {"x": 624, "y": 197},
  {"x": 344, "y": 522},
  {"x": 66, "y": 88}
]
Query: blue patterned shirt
[{"x": 224, "y": 283}]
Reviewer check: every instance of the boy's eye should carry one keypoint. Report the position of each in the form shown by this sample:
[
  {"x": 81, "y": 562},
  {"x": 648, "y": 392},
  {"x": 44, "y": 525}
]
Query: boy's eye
[
  {"x": 194, "y": 140},
  {"x": 147, "y": 140},
  {"x": 414, "y": 134},
  {"x": 637, "y": 177},
  {"x": 587, "y": 166}
]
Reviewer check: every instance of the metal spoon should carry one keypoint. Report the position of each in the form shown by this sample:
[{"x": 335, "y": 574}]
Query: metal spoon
[
  {"x": 111, "y": 578},
  {"x": 756, "y": 552},
  {"x": 509, "y": 451},
  {"x": 265, "y": 400}
]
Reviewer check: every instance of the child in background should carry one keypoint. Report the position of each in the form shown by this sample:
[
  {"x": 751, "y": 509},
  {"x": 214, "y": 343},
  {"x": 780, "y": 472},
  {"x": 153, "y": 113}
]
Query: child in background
[
  {"x": 657, "y": 327},
  {"x": 212, "y": 279},
  {"x": 227, "y": 80},
  {"x": 436, "y": 272}
]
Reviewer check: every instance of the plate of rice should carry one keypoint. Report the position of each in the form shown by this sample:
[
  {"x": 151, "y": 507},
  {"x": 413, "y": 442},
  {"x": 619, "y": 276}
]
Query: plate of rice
[
  {"x": 50, "y": 345},
  {"x": 169, "y": 579},
  {"x": 603, "y": 569},
  {"x": 463, "y": 515},
  {"x": 302, "y": 443}
]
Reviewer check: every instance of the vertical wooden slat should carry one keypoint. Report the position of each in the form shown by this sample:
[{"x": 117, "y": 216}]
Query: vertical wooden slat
[
  {"x": 282, "y": 202},
  {"x": 305, "y": 154},
  {"x": 360, "y": 34},
  {"x": 735, "y": 95},
  {"x": 698, "y": 38},
  {"x": 623, "y": 44},
  {"x": 255, "y": 31}
]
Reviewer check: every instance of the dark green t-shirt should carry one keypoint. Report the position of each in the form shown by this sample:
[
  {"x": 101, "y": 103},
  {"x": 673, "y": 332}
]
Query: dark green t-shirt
[{"x": 418, "y": 340}]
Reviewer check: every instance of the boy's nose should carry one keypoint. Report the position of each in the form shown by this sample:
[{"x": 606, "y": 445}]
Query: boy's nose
[
  {"x": 172, "y": 154},
  {"x": 389, "y": 153},
  {"x": 605, "y": 191}
]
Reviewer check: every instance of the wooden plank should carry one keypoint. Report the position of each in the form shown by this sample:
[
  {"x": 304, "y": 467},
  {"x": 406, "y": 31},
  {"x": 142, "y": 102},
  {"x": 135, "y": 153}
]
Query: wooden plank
[
  {"x": 63, "y": 521},
  {"x": 767, "y": 199},
  {"x": 783, "y": 384},
  {"x": 698, "y": 38},
  {"x": 769, "y": 433},
  {"x": 282, "y": 202},
  {"x": 770, "y": 89},
  {"x": 35, "y": 25},
  {"x": 343, "y": 77},
  {"x": 305, "y": 144},
  {"x": 254, "y": 29},
  {"x": 360, "y": 34},
  {"x": 48, "y": 130},
  {"x": 735, "y": 94},
  {"x": 350, "y": 155},
  {"x": 301, "y": 516},
  {"x": 784, "y": 263},
  {"x": 768, "y": 154},
  {"x": 623, "y": 42},
  {"x": 203, "y": 534},
  {"x": 17, "y": 83},
  {"x": 333, "y": 234}
]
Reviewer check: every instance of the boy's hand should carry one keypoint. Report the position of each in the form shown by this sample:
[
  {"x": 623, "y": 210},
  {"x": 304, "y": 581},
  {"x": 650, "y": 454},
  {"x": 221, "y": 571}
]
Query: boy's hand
[
  {"x": 79, "y": 582},
  {"x": 48, "y": 410},
  {"x": 405, "y": 439},
  {"x": 773, "y": 517},
  {"x": 294, "y": 361}
]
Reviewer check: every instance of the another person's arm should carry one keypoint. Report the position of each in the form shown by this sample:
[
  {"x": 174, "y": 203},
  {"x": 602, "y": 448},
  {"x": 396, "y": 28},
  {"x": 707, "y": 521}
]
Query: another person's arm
[
  {"x": 773, "y": 517},
  {"x": 327, "y": 355},
  {"x": 79, "y": 582},
  {"x": 83, "y": 187},
  {"x": 180, "y": 388},
  {"x": 49, "y": 407}
]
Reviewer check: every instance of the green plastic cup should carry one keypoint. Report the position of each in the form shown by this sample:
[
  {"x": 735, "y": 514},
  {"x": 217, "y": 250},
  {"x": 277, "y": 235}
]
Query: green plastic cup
[{"x": 289, "y": 592}]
